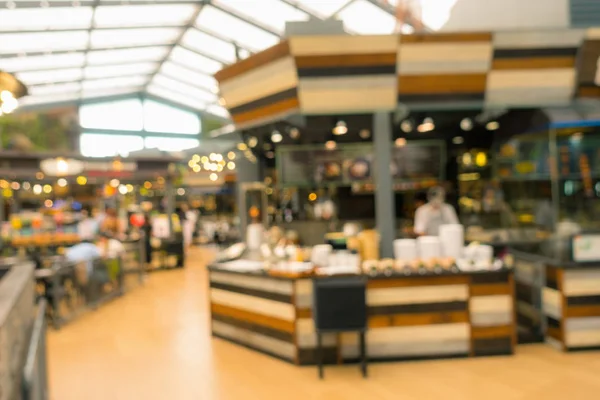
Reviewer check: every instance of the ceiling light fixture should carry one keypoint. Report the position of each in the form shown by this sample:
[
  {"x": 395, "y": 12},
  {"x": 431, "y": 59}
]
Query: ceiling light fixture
[
  {"x": 61, "y": 166},
  {"x": 294, "y": 133},
  {"x": 406, "y": 126},
  {"x": 492, "y": 126},
  {"x": 252, "y": 142},
  {"x": 330, "y": 145},
  {"x": 458, "y": 140},
  {"x": 364, "y": 134},
  {"x": 466, "y": 124},
  {"x": 340, "y": 128},
  {"x": 426, "y": 126},
  {"x": 276, "y": 136},
  {"x": 400, "y": 142}
]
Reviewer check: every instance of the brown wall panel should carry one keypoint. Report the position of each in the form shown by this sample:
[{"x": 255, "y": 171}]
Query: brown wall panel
[
  {"x": 303, "y": 313},
  {"x": 425, "y": 281},
  {"x": 582, "y": 311},
  {"x": 346, "y": 60},
  {"x": 382, "y": 321},
  {"x": 589, "y": 91},
  {"x": 446, "y": 37},
  {"x": 258, "y": 319},
  {"x": 588, "y": 62},
  {"x": 490, "y": 289},
  {"x": 555, "y": 333},
  {"x": 255, "y": 61},
  {"x": 430, "y": 84},
  {"x": 533, "y": 63},
  {"x": 489, "y": 332},
  {"x": 264, "y": 112}
]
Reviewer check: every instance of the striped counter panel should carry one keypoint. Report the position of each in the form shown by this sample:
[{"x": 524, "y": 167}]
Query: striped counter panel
[
  {"x": 443, "y": 69},
  {"x": 306, "y": 336},
  {"x": 529, "y": 282},
  {"x": 345, "y": 74},
  {"x": 492, "y": 314},
  {"x": 414, "y": 318},
  {"x": 571, "y": 302},
  {"x": 256, "y": 312},
  {"x": 261, "y": 88},
  {"x": 581, "y": 289},
  {"x": 533, "y": 68},
  {"x": 589, "y": 70}
]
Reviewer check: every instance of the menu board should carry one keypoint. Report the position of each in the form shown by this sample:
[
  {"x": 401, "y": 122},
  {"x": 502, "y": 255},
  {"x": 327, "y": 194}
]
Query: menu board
[
  {"x": 355, "y": 163},
  {"x": 309, "y": 165},
  {"x": 418, "y": 160}
]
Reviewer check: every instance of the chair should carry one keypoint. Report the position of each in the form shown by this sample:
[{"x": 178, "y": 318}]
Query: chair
[{"x": 339, "y": 305}]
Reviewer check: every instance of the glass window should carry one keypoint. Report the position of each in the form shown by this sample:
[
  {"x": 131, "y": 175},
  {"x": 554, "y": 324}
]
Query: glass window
[
  {"x": 195, "y": 61},
  {"x": 33, "y": 42},
  {"x": 209, "y": 45},
  {"x": 367, "y": 19},
  {"x": 184, "y": 88},
  {"x": 170, "y": 144},
  {"x": 271, "y": 13},
  {"x": 235, "y": 29},
  {"x": 206, "y": 81},
  {"x": 45, "y": 18},
  {"x": 56, "y": 97},
  {"x": 110, "y": 92},
  {"x": 133, "y": 37},
  {"x": 218, "y": 111},
  {"x": 98, "y": 145},
  {"x": 159, "y": 117},
  {"x": 143, "y": 15},
  {"x": 101, "y": 57},
  {"x": 435, "y": 13},
  {"x": 323, "y": 8},
  {"x": 55, "y": 75},
  {"x": 120, "y": 115},
  {"x": 43, "y": 90},
  {"x": 38, "y": 63},
  {"x": 175, "y": 97},
  {"x": 126, "y": 81},
  {"x": 106, "y": 71}
]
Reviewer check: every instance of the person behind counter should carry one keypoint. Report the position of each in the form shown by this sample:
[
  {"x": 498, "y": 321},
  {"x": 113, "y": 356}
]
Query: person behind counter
[{"x": 435, "y": 213}]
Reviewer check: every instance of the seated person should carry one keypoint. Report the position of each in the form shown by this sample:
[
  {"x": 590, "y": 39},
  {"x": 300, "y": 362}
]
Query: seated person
[{"x": 87, "y": 253}]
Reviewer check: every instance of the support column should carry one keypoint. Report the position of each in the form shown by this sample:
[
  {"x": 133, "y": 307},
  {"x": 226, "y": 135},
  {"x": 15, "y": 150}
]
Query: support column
[
  {"x": 170, "y": 202},
  {"x": 385, "y": 204},
  {"x": 247, "y": 172}
]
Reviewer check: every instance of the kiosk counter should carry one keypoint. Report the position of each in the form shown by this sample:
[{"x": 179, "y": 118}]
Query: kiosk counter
[{"x": 416, "y": 316}]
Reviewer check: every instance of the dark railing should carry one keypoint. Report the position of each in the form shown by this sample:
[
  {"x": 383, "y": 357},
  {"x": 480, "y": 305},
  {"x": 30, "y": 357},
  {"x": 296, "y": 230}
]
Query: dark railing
[{"x": 35, "y": 373}]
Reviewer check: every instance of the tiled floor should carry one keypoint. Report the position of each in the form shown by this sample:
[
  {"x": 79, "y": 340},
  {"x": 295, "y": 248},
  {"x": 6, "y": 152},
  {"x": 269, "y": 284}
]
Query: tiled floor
[{"x": 154, "y": 344}]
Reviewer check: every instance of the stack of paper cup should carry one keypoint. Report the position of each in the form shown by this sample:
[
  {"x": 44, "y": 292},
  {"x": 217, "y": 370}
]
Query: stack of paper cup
[
  {"x": 452, "y": 239},
  {"x": 320, "y": 255},
  {"x": 484, "y": 256},
  {"x": 405, "y": 250},
  {"x": 254, "y": 236},
  {"x": 429, "y": 247}
]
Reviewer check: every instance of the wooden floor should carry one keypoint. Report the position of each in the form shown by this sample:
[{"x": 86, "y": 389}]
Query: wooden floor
[{"x": 154, "y": 343}]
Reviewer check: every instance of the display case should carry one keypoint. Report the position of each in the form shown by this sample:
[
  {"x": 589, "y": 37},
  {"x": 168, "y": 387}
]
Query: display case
[{"x": 553, "y": 175}]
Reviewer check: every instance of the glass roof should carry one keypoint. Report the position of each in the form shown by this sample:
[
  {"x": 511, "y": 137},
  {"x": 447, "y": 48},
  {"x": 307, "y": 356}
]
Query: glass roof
[{"x": 66, "y": 51}]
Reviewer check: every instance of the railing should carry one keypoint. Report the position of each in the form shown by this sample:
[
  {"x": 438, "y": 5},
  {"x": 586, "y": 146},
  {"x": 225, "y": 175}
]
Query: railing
[{"x": 35, "y": 374}]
